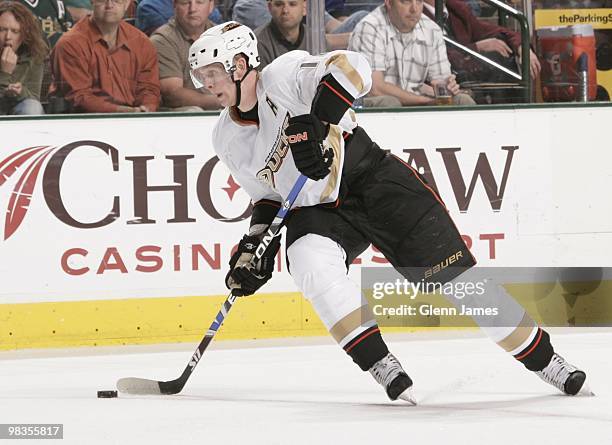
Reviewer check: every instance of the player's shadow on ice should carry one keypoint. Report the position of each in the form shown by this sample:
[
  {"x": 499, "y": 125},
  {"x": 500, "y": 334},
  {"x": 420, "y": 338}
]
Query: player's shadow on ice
[{"x": 351, "y": 411}]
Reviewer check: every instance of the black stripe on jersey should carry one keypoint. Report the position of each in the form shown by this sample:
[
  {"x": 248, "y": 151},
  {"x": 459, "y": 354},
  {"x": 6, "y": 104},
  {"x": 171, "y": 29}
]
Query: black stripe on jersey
[{"x": 331, "y": 100}]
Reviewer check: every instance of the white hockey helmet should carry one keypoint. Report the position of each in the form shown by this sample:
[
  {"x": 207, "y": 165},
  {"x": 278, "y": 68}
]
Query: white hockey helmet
[{"x": 220, "y": 44}]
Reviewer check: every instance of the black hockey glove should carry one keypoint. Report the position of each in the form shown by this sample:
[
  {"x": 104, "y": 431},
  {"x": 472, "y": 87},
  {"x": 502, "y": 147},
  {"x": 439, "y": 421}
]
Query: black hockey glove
[
  {"x": 244, "y": 279},
  {"x": 305, "y": 134}
]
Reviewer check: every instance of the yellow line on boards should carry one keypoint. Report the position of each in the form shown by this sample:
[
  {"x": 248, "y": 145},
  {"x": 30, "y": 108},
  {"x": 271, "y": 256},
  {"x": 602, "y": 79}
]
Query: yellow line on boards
[
  {"x": 186, "y": 319},
  {"x": 152, "y": 320}
]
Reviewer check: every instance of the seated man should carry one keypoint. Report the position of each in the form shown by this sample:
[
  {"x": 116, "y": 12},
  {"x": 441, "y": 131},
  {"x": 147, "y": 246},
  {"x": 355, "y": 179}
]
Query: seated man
[
  {"x": 172, "y": 41},
  {"x": 285, "y": 31},
  {"x": 152, "y": 14},
  {"x": 104, "y": 65},
  {"x": 496, "y": 42},
  {"x": 405, "y": 50}
]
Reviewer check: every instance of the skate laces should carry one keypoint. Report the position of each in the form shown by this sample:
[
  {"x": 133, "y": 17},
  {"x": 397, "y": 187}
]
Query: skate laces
[
  {"x": 386, "y": 369},
  {"x": 557, "y": 372}
]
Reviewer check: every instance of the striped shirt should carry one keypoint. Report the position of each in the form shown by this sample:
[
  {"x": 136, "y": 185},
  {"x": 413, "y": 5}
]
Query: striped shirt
[{"x": 407, "y": 60}]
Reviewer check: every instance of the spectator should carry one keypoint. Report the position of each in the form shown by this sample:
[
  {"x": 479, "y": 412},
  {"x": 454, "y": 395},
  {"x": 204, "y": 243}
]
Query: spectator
[
  {"x": 286, "y": 30},
  {"x": 54, "y": 19},
  {"x": 252, "y": 13},
  {"x": 22, "y": 52},
  {"x": 255, "y": 13},
  {"x": 405, "y": 50},
  {"x": 151, "y": 14},
  {"x": 105, "y": 65},
  {"x": 496, "y": 42},
  {"x": 172, "y": 41}
]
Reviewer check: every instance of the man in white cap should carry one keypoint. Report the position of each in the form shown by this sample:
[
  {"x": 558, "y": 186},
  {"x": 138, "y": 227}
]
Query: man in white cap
[{"x": 294, "y": 118}]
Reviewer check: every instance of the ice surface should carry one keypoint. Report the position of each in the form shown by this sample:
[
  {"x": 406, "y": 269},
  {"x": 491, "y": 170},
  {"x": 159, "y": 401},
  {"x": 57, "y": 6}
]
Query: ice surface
[{"x": 470, "y": 392}]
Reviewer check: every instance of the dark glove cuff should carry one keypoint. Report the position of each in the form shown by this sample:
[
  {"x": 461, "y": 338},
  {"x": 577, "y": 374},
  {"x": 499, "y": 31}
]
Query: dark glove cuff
[{"x": 264, "y": 212}]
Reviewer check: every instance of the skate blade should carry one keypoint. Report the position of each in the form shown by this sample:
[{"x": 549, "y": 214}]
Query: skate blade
[
  {"x": 585, "y": 391},
  {"x": 408, "y": 396}
]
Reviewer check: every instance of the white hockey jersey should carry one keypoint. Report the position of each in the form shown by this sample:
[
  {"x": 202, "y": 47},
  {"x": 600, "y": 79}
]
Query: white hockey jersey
[{"x": 259, "y": 156}]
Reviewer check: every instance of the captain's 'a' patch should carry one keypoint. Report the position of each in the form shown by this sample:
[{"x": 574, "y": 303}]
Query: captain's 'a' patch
[{"x": 271, "y": 104}]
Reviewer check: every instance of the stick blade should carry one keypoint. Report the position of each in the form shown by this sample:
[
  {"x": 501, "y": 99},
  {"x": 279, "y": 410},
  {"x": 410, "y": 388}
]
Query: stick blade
[{"x": 134, "y": 385}]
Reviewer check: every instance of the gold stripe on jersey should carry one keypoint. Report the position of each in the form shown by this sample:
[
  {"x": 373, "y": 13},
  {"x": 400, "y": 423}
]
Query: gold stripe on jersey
[
  {"x": 342, "y": 62},
  {"x": 334, "y": 139},
  {"x": 359, "y": 317},
  {"x": 352, "y": 115},
  {"x": 520, "y": 334}
]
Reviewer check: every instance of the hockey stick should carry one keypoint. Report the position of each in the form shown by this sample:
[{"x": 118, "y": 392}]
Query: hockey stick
[{"x": 134, "y": 385}]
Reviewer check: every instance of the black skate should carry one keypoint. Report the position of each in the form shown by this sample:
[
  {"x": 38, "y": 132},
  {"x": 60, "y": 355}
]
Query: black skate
[
  {"x": 563, "y": 375},
  {"x": 389, "y": 373}
]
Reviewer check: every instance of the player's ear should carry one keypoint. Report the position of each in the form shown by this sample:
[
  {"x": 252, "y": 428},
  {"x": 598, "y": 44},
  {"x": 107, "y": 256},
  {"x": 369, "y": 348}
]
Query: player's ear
[{"x": 241, "y": 65}]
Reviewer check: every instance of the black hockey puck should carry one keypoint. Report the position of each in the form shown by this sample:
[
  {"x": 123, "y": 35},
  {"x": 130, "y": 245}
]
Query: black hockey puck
[{"x": 107, "y": 394}]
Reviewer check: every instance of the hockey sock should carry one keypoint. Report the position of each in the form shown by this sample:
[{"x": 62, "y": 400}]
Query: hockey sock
[
  {"x": 538, "y": 353},
  {"x": 367, "y": 348},
  {"x": 511, "y": 328}
]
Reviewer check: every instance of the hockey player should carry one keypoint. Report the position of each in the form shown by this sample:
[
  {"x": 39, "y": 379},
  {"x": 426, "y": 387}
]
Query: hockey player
[{"x": 295, "y": 117}]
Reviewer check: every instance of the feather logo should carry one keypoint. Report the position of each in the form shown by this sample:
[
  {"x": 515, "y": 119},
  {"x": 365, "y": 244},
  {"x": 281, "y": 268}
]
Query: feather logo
[{"x": 31, "y": 159}]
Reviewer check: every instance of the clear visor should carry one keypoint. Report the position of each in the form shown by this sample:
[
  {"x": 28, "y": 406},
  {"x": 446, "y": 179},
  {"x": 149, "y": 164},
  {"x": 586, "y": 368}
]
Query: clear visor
[{"x": 209, "y": 74}]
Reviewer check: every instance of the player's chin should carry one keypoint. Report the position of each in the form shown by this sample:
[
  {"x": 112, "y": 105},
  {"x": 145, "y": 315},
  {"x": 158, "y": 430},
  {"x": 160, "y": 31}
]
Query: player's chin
[{"x": 226, "y": 101}]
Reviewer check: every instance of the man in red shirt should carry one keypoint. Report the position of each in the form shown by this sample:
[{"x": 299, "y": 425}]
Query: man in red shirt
[
  {"x": 104, "y": 65},
  {"x": 496, "y": 42}
]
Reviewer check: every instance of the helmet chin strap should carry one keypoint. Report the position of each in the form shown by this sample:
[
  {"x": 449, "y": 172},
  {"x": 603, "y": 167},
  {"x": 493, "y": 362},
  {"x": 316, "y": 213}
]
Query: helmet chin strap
[{"x": 238, "y": 85}]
